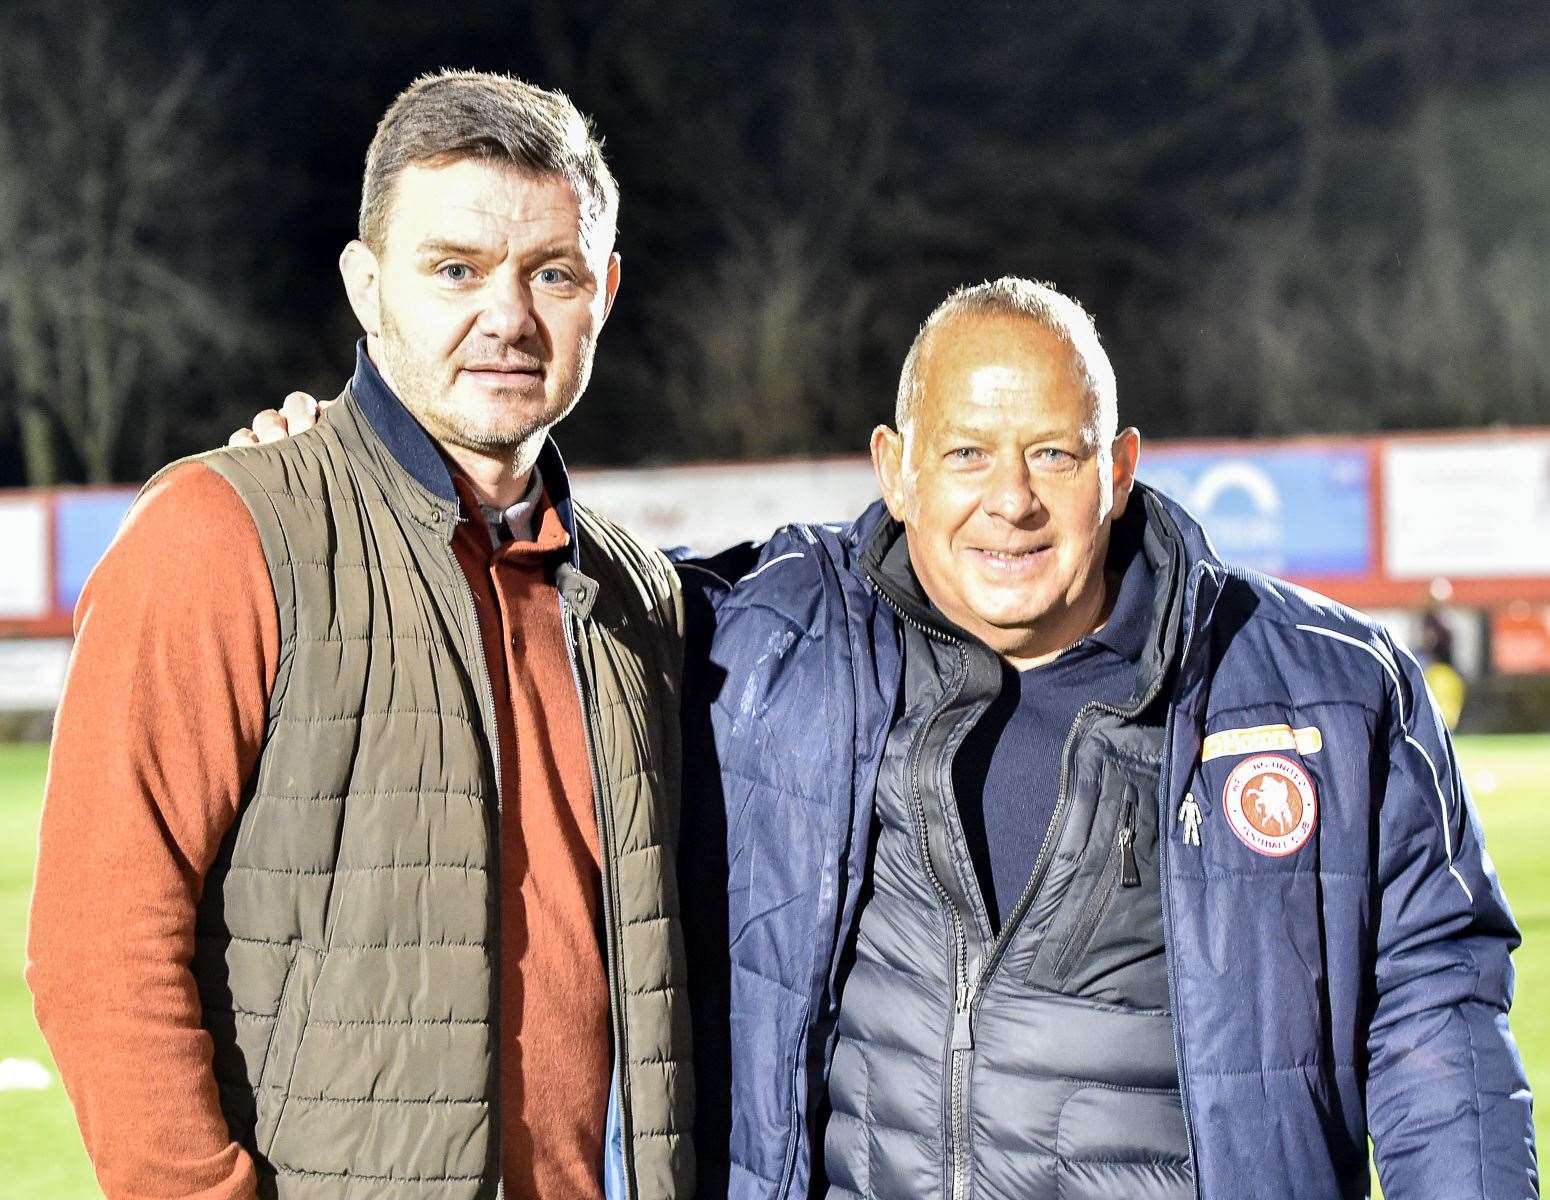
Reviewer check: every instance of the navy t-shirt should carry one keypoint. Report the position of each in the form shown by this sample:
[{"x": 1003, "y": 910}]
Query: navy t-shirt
[{"x": 1007, "y": 772}]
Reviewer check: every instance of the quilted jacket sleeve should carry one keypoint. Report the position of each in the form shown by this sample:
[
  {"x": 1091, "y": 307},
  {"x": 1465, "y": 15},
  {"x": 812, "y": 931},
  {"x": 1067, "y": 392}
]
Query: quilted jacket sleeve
[
  {"x": 1448, "y": 1103},
  {"x": 747, "y": 847}
]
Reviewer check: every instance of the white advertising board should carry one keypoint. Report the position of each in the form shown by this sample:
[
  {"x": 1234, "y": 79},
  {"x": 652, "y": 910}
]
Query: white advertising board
[
  {"x": 23, "y": 558},
  {"x": 709, "y": 508},
  {"x": 1467, "y": 510},
  {"x": 32, "y": 673}
]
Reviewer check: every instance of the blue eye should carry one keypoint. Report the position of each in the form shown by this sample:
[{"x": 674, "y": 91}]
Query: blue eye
[
  {"x": 552, "y": 276},
  {"x": 455, "y": 272}
]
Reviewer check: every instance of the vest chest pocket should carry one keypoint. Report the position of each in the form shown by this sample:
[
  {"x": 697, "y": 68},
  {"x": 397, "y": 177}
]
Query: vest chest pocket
[
  {"x": 290, "y": 1027},
  {"x": 1119, "y": 871},
  {"x": 1105, "y": 940}
]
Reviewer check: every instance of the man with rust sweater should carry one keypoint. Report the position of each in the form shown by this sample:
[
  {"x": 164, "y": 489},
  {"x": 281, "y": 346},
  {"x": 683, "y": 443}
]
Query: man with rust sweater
[{"x": 357, "y": 862}]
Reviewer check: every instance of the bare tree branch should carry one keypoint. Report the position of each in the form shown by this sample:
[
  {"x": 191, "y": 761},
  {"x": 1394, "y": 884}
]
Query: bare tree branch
[{"x": 109, "y": 290}]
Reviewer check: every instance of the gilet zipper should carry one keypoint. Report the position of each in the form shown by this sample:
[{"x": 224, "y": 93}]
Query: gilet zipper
[
  {"x": 606, "y": 837},
  {"x": 961, "y": 1044}
]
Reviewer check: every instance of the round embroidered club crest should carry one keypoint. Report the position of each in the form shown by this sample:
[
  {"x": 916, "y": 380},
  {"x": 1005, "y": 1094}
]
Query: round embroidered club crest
[{"x": 1271, "y": 804}]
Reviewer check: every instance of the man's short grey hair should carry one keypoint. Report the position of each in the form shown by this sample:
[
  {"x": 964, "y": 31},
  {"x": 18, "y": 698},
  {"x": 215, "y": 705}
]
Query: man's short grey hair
[
  {"x": 451, "y": 115},
  {"x": 1041, "y": 303}
]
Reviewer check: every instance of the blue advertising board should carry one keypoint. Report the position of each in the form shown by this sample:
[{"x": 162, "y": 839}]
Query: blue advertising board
[
  {"x": 84, "y": 524},
  {"x": 1290, "y": 511}
]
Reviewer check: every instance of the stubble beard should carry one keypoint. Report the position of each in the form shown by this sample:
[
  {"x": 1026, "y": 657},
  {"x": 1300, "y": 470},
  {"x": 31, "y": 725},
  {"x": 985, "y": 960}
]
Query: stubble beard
[{"x": 425, "y": 392}]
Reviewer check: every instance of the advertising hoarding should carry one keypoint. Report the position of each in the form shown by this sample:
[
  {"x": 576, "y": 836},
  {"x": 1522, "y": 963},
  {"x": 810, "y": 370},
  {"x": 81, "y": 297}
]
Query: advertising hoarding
[
  {"x": 32, "y": 673},
  {"x": 711, "y": 508},
  {"x": 24, "y": 551},
  {"x": 1520, "y": 639},
  {"x": 84, "y": 524},
  {"x": 1285, "y": 510},
  {"x": 1397, "y": 523},
  {"x": 1467, "y": 509}
]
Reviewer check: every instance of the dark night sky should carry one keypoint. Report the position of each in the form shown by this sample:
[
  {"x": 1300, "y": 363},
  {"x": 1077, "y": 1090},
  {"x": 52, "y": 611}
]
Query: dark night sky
[{"x": 1284, "y": 216}]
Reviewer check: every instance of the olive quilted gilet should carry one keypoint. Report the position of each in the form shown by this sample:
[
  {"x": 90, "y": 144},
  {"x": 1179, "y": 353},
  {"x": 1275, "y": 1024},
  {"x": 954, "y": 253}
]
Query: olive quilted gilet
[{"x": 347, "y": 934}]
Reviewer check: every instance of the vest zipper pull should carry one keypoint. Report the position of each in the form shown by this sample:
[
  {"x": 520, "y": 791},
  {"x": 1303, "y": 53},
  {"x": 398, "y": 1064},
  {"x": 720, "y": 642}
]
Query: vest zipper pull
[
  {"x": 963, "y": 1028},
  {"x": 963, "y": 1014},
  {"x": 1190, "y": 816},
  {"x": 1129, "y": 876}
]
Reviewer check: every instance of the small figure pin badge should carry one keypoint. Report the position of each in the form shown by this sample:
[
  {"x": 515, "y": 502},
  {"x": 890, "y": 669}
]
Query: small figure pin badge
[{"x": 1189, "y": 814}]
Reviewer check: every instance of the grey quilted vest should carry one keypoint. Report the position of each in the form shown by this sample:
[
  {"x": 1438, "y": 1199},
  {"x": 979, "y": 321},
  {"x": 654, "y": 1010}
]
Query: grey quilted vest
[
  {"x": 1037, "y": 1065},
  {"x": 346, "y": 939}
]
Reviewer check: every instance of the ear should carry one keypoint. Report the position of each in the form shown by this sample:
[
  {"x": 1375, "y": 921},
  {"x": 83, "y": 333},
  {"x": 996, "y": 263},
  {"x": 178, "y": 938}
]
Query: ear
[
  {"x": 888, "y": 464},
  {"x": 610, "y": 285},
  {"x": 1126, "y": 456},
  {"x": 363, "y": 284}
]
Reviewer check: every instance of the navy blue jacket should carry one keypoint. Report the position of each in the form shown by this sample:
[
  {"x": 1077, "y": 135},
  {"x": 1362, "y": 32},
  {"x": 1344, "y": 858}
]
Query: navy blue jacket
[{"x": 1357, "y": 985}]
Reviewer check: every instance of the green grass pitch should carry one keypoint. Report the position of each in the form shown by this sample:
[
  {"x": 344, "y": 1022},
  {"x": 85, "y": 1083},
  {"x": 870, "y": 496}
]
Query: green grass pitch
[{"x": 40, "y": 1152}]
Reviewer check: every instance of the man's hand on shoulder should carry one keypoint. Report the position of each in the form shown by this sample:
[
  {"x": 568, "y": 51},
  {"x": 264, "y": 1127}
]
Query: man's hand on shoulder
[{"x": 299, "y": 413}]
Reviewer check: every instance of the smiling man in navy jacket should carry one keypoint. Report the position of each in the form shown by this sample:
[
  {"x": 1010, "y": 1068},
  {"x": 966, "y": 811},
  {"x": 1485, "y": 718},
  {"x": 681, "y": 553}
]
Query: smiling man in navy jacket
[{"x": 1063, "y": 860}]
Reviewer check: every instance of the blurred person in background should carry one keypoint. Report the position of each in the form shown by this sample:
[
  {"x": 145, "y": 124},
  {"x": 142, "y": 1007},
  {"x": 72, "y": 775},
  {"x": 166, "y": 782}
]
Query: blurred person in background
[
  {"x": 1442, "y": 675},
  {"x": 356, "y": 873}
]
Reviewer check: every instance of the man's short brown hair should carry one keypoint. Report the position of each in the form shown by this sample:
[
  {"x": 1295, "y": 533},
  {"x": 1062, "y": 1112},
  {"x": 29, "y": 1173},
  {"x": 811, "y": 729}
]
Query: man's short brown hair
[{"x": 451, "y": 115}]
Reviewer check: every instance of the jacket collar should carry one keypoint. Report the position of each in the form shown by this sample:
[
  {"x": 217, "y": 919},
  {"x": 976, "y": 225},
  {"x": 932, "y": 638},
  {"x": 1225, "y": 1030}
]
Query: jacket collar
[
  {"x": 1153, "y": 526},
  {"x": 421, "y": 459}
]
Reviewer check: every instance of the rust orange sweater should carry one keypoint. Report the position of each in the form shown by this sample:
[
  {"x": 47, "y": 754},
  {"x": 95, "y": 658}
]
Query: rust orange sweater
[
  {"x": 555, "y": 1053},
  {"x": 161, "y": 723}
]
